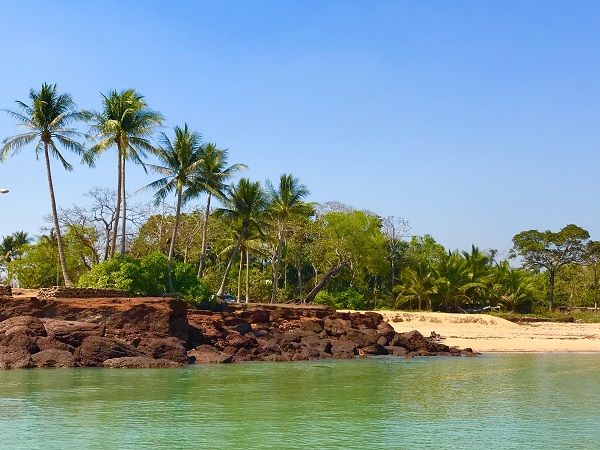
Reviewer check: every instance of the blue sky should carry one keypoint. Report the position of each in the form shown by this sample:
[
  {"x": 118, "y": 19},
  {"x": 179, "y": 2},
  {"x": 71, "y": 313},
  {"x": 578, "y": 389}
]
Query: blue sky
[{"x": 473, "y": 120}]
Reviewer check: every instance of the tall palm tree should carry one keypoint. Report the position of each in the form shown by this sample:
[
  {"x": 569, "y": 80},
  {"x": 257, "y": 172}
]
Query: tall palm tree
[
  {"x": 214, "y": 173},
  {"x": 11, "y": 245},
  {"x": 285, "y": 201},
  {"x": 244, "y": 207},
  {"x": 46, "y": 119},
  {"x": 180, "y": 160},
  {"x": 126, "y": 122}
]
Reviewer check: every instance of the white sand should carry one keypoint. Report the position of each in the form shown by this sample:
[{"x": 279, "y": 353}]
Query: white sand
[{"x": 486, "y": 333}]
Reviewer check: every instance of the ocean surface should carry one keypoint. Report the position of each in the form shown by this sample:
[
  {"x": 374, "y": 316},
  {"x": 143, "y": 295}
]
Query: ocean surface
[{"x": 527, "y": 401}]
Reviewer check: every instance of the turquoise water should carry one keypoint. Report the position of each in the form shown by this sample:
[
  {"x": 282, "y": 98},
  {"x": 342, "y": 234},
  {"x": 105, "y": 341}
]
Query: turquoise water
[{"x": 494, "y": 401}]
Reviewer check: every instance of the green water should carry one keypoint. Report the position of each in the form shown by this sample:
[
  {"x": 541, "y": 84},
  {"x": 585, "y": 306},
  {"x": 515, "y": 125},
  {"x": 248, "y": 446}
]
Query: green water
[{"x": 495, "y": 401}]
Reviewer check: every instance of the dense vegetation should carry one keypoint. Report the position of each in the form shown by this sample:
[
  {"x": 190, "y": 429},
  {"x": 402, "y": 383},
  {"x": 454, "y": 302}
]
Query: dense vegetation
[{"x": 263, "y": 242}]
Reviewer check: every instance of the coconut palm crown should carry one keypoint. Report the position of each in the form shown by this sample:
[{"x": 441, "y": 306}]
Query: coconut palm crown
[{"x": 47, "y": 119}]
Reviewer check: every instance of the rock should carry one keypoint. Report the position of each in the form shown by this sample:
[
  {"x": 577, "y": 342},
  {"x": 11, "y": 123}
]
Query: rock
[
  {"x": 314, "y": 325},
  {"x": 343, "y": 349},
  {"x": 169, "y": 348},
  {"x": 336, "y": 326},
  {"x": 20, "y": 340},
  {"x": 375, "y": 349},
  {"x": 368, "y": 320},
  {"x": 47, "y": 342},
  {"x": 383, "y": 340},
  {"x": 396, "y": 351},
  {"x": 243, "y": 328},
  {"x": 53, "y": 358},
  {"x": 95, "y": 350},
  {"x": 413, "y": 341},
  {"x": 11, "y": 358},
  {"x": 30, "y": 323},
  {"x": 140, "y": 362},
  {"x": 362, "y": 338},
  {"x": 385, "y": 329},
  {"x": 206, "y": 354},
  {"x": 71, "y": 332}
]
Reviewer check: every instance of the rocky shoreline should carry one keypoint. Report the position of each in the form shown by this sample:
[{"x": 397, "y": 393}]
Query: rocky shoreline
[{"x": 164, "y": 332}]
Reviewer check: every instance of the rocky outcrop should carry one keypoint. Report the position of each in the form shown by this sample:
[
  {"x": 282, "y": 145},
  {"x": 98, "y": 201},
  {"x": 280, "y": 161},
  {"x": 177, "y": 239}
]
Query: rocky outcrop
[
  {"x": 126, "y": 332},
  {"x": 162, "y": 333},
  {"x": 275, "y": 333}
]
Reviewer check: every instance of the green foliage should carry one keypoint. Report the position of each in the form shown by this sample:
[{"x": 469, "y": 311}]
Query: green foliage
[
  {"x": 146, "y": 276},
  {"x": 38, "y": 266},
  {"x": 346, "y": 299}
]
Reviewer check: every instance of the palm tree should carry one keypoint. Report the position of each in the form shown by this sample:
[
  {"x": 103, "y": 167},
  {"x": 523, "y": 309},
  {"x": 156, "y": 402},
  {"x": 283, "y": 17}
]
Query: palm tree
[
  {"x": 285, "y": 201},
  {"x": 47, "y": 119},
  {"x": 418, "y": 283},
  {"x": 11, "y": 245},
  {"x": 126, "y": 122},
  {"x": 214, "y": 173},
  {"x": 180, "y": 161},
  {"x": 244, "y": 207}
]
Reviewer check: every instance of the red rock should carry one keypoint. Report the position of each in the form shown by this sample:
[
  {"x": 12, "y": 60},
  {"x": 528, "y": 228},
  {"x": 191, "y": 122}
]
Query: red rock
[
  {"x": 95, "y": 350},
  {"x": 163, "y": 348},
  {"x": 47, "y": 342},
  {"x": 30, "y": 323},
  {"x": 19, "y": 340},
  {"x": 385, "y": 329},
  {"x": 53, "y": 358},
  {"x": 375, "y": 349},
  {"x": 71, "y": 332},
  {"x": 362, "y": 338},
  {"x": 140, "y": 362},
  {"x": 14, "y": 358},
  {"x": 396, "y": 351},
  {"x": 314, "y": 325},
  {"x": 343, "y": 349},
  {"x": 206, "y": 354}
]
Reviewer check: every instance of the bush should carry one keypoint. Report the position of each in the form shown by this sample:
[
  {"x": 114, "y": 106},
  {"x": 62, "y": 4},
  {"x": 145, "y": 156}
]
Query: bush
[
  {"x": 347, "y": 299},
  {"x": 147, "y": 276}
]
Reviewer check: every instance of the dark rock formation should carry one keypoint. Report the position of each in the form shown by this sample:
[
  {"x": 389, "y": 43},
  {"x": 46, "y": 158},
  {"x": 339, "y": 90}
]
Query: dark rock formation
[{"x": 162, "y": 332}]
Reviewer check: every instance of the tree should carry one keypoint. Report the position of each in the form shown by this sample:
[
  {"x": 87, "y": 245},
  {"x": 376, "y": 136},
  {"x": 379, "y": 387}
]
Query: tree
[
  {"x": 126, "y": 122},
  {"x": 244, "y": 208},
  {"x": 352, "y": 240},
  {"x": 550, "y": 251},
  {"x": 180, "y": 160},
  {"x": 418, "y": 283},
  {"x": 214, "y": 173},
  {"x": 47, "y": 119},
  {"x": 12, "y": 245},
  {"x": 592, "y": 259},
  {"x": 285, "y": 202}
]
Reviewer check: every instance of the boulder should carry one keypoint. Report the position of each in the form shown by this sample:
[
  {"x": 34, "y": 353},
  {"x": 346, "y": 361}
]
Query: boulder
[
  {"x": 20, "y": 340},
  {"x": 53, "y": 358},
  {"x": 47, "y": 342},
  {"x": 207, "y": 354},
  {"x": 140, "y": 362},
  {"x": 375, "y": 349},
  {"x": 396, "y": 351},
  {"x": 363, "y": 337},
  {"x": 71, "y": 332},
  {"x": 169, "y": 348},
  {"x": 336, "y": 326},
  {"x": 95, "y": 350},
  {"x": 385, "y": 329},
  {"x": 32, "y": 325},
  {"x": 343, "y": 349},
  {"x": 314, "y": 325},
  {"x": 11, "y": 358}
]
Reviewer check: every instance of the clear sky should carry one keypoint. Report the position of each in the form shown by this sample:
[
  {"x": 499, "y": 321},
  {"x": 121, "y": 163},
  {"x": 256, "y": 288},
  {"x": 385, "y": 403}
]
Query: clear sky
[{"x": 474, "y": 120}]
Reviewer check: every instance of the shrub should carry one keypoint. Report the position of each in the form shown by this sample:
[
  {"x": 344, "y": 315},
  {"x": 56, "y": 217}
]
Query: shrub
[{"x": 346, "y": 299}]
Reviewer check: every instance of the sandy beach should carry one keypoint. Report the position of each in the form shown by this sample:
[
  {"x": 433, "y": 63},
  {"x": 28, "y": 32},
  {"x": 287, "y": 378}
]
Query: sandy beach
[{"x": 486, "y": 333}]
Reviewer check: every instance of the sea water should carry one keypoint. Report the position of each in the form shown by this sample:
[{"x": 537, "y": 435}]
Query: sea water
[{"x": 524, "y": 401}]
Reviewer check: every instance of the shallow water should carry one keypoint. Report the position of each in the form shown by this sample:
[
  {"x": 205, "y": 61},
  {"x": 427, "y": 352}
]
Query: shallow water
[{"x": 494, "y": 401}]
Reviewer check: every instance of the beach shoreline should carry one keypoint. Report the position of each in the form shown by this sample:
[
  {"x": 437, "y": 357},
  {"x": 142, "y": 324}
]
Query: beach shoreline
[{"x": 489, "y": 334}]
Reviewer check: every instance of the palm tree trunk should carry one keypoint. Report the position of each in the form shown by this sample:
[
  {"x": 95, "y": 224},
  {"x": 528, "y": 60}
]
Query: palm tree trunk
[
  {"x": 115, "y": 230},
  {"x": 239, "y": 285},
  {"x": 247, "y": 275},
  {"x": 276, "y": 260},
  {"x": 204, "y": 230},
  {"x": 300, "y": 289},
  {"x": 124, "y": 235},
  {"x": 234, "y": 254},
  {"x": 173, "y": 239},
  {"x": 59, "y": 242}
]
